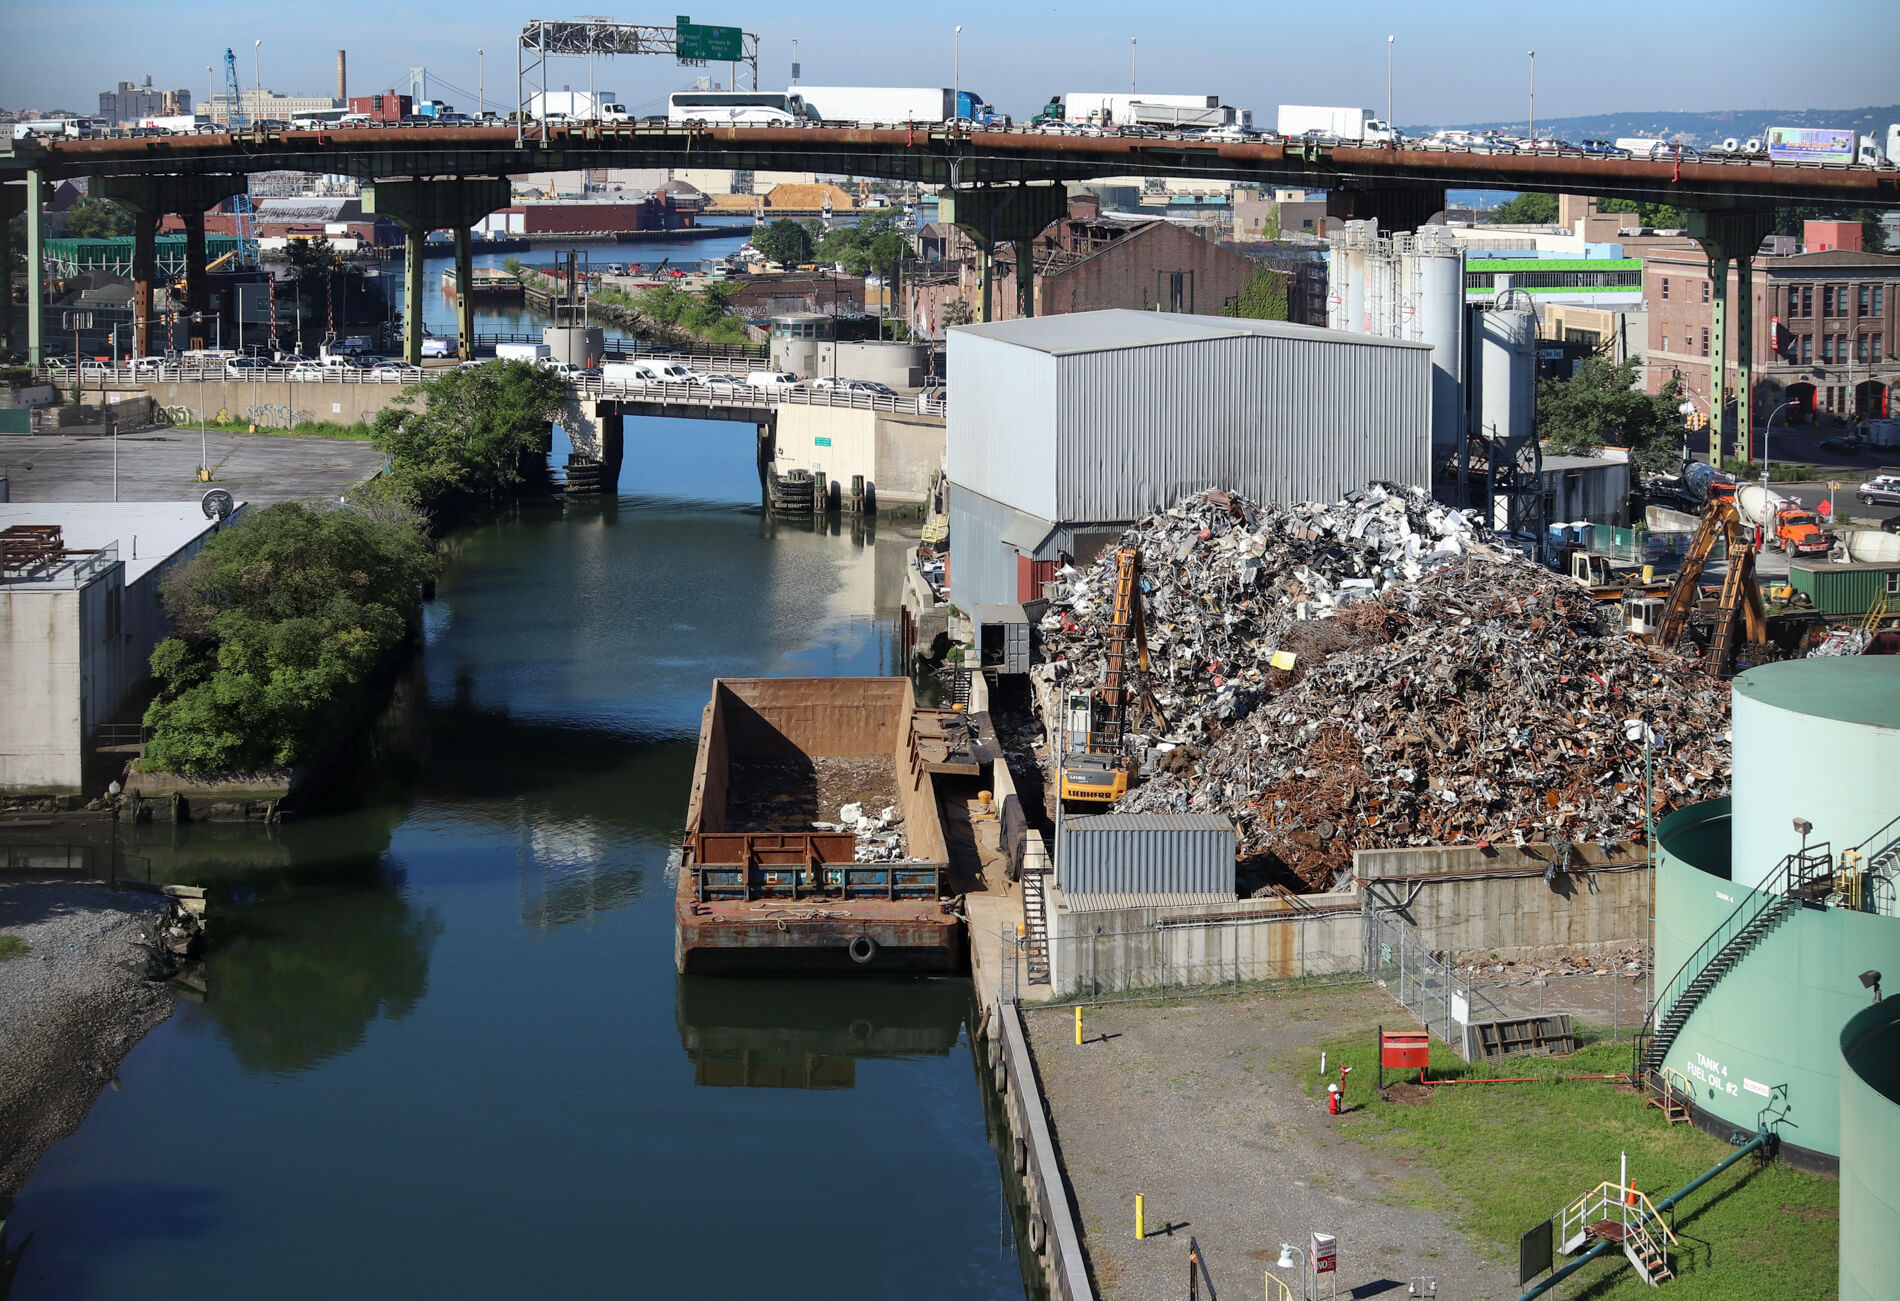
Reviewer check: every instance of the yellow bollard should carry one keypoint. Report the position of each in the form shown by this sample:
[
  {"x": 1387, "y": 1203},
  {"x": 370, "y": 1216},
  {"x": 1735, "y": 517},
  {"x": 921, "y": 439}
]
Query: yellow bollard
[
  {"x": 1078, "y": 1027},
  {"x": 1140, "y": 1227}
]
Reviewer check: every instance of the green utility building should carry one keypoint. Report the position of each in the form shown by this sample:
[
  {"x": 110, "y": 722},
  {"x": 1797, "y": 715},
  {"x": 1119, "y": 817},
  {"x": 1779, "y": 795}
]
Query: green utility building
[
  {"x": 1764, "y": 931},
  {"x": 71, "y": 257},
  {"x": 1846, "y": 589}
]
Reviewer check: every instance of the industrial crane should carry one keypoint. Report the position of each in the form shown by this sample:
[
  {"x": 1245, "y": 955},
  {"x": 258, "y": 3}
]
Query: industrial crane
[
  {"x": 1093, "y": 769},
  {"x": 234, "y": 115},
  {"x": 1741, "y": 598}
]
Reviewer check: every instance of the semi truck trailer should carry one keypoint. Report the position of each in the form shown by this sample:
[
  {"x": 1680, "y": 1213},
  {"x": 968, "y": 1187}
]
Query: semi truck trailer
[{"x": 1356, "y": 125}]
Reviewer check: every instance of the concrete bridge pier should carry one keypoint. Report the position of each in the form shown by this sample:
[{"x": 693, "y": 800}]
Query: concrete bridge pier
[
  {"x": 767, "y": 452},
  {"x": 1731, "y": 235},
  {"x": 419, "y": 206},
  {"x": 613, "y": 445},
  {"x": 151, "y": 199},
  {"x": 993, "y": 214}
]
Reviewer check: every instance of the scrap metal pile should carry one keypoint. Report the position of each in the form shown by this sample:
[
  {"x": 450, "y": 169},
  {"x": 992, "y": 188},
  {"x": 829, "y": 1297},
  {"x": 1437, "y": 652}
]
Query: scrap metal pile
[{"x": 1375, "y": 672}]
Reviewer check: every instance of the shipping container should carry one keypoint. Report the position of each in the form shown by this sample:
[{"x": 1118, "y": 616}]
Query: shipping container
[
  {"x": 1846, "y": 589},
  {"x": 1146, "y": 853}
]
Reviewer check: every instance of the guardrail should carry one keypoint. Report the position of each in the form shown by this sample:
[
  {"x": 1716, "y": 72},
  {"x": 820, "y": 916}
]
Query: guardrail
[{"x": 928, "y": 403}]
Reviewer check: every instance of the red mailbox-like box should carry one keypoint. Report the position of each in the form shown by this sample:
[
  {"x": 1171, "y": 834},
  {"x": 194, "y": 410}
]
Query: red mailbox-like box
[{"x": 1404, "y": 1049}]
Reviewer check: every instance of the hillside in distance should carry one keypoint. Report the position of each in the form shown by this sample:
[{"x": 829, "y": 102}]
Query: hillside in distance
[{"x": 1701, "y": 128}]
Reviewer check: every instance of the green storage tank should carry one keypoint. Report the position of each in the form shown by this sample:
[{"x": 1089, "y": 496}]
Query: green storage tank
[
  {"x": 1845, "y": 589},
  {"x": 1870, "y": 1153}
]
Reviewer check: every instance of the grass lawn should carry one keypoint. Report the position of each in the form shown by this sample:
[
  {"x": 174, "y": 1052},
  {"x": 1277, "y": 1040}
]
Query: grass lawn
[
  {"x": 357, "y": 433},
  {"x": 11, "y": 946},
  {"x": 1510, "y": 1155}
]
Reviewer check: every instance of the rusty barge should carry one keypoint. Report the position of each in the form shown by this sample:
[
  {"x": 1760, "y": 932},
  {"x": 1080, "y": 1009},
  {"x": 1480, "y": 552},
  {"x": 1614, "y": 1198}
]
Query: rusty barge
[{"x": 761, "y": 889}]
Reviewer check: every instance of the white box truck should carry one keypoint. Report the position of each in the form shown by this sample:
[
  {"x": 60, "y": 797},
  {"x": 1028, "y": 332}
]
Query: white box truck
[
  {"x": 881, "y": 104},
  {"x": 652, "y": 371},
  {"x": 522, "y": 352},
  {"x": 1356, "y": 125},
  {"x": 1645, "y": 146},
  {"x": 579, "y": 106}
]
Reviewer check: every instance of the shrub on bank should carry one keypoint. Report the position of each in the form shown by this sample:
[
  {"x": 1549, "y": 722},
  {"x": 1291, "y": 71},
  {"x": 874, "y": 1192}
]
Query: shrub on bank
[
  {"x": 281, "y": 622},
  {"x": 457, "y": 441}
]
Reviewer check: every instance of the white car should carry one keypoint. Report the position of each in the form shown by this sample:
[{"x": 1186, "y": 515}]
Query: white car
[
  {"x": 1881, "y": 490},
  {"x": 149, "y": 365},
  {"x": 308, "y": 372},
  {"x": 393, "y": 370},
  {"x": 723, "y": 381}
]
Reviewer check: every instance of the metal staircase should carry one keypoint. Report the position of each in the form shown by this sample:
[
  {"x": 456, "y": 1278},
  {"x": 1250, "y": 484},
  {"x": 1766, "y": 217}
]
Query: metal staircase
[
  {"x": 1759, "y": 912},
  {"x": 1035, "y": 926},
  {"x": 1627, "y": 1218}
]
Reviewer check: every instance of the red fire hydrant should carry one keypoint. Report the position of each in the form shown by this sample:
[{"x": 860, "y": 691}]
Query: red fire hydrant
[{"x": 1332, "y": 1099}]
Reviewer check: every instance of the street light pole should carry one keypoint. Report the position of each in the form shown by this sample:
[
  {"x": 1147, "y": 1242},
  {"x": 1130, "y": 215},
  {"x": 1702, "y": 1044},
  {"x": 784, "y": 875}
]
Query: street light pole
[
  {"x": 481, "y": 84},
  {"x": 1766, "y": 429},
  {"x": 1131, "y": 65},
  {"x": 1533, "y": 108},
  {"x": 1287, "y": 1252},
  {"x": 1388, "y": 85},
  {"x": 956, "y": 74},
  {"x": 257, "y": 79}
]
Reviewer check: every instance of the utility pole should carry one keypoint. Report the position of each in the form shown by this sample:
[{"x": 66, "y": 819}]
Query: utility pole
[
  {"x": 1131, "y": 65},
  {"x": 956, "y": 75},
  {"x": 481, "y": 84},
  {"x": 1388, "y": 85},
  {"x": 257, "y": 78},
  {"x": 1532, "y": 133}
]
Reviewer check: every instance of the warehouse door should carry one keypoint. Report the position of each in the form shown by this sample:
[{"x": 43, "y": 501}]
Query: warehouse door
[{"x": 1174, "y": 291}]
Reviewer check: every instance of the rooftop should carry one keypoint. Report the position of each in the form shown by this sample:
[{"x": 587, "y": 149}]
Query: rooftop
[
  {"x": 1082, "y": 332},
  {"x": 1848, "y": 689},
  {"x": 147, "y": 533}
]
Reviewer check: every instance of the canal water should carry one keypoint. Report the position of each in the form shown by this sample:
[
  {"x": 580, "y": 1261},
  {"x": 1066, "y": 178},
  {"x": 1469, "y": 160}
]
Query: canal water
[{"x": 442, "y": 1050}]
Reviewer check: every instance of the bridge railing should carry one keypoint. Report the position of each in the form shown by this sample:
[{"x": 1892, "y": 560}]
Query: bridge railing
[{"x": 929, "y": 402}]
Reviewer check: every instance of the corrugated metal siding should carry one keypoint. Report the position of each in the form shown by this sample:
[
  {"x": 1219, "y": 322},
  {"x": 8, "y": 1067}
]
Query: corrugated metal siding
[
  {"x": 999, "y": 426},
  {"x": 1102, "y": 903},
  {"x": 1129, "y": 853},
  {"x": 1841, "y": 589},
  {"x": 1282, "y": 419},
  {"x": 982, "y": 568}
]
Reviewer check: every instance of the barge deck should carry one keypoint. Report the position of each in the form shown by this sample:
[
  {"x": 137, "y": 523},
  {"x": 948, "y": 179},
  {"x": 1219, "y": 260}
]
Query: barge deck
[{"x": 761, "y": 889}]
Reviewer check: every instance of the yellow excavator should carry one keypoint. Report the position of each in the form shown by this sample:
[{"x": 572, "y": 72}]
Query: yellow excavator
[
  {"x": 1093, "y": 769},
  {"x": 1740, "y": 603}
]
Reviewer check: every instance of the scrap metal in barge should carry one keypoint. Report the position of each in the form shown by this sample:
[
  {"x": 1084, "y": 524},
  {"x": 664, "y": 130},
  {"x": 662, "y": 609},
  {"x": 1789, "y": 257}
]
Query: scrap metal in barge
[{"x": 771, "y": 893}]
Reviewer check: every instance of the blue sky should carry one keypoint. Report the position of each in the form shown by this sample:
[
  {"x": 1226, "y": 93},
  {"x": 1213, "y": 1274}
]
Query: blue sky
[{"x": 1461, "y": 62}]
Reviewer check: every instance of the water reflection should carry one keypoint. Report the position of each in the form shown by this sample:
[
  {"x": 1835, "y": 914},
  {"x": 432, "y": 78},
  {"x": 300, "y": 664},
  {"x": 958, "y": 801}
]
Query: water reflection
[
  {"x": 297, "y": 976},
  {"x": 810, "y": 1034}
]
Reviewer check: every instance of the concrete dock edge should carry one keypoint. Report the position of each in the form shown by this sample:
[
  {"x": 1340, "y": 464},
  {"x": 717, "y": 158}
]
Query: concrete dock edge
[{"x": 1063, "y": 1265}]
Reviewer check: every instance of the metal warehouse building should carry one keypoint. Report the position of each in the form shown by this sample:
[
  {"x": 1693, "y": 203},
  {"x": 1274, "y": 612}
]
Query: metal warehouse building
[{"x": 1067, "y": 428}]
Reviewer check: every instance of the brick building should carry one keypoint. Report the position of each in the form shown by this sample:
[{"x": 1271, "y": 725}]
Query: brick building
[
  {"x": 1088, "y": 261},
  {"x": 1824, "y": 331}
]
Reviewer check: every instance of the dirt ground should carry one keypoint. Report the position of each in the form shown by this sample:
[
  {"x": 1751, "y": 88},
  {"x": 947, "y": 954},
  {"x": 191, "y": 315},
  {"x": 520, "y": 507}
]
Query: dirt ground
[
  {"x": 71, "y": 1007},
  {"x": 1188, "y": 1104}
]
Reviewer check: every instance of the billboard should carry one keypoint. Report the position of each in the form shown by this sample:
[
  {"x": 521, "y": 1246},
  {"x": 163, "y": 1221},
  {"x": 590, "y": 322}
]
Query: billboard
[{"x": 1788, "y": 144}]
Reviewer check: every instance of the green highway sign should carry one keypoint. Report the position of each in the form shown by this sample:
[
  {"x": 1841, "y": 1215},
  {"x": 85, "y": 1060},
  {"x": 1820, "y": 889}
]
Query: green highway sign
[{"x": 718, "y": 44}]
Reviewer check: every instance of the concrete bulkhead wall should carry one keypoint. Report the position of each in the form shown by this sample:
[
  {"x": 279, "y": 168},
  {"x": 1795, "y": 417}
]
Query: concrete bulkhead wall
[
  {"x": 1462, "y": 900},
  {"x": 1870, "y": 1153},
  {"x": 42, "y": 649},
  {"x": 896, "y": 454},
  {"x": 1775, "y": 1018},
  {"x": 336, "y": 404}
]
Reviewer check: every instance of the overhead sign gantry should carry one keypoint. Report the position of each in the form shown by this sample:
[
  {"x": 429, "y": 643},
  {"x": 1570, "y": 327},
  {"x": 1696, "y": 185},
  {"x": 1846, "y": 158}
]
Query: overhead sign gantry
[{"x": 692, "y": 44}]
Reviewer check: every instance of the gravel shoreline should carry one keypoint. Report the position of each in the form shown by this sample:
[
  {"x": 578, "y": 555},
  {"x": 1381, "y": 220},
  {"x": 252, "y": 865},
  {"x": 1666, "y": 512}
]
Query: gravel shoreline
[{"x": 71, "y": 1008}]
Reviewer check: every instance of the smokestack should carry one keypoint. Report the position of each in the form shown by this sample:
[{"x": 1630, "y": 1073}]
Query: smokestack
[{"x": 342, "y": 80}]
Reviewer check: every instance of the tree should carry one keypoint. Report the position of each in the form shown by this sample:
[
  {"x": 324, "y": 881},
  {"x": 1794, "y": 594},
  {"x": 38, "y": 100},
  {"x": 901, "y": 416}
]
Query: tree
[
  {"x": 1600, "y": 405},
  {"x": 458, "y": 440},
  {"x": 1525, "y": 210},
  {"x": 784, "y": 241},
  {"x": 1263, "y": 298},
  {"x": 1660, "y": 216},
  {"x": 91, "y": 218},
  {"x": 867, "y": 247},
  {"x": 281, "y": 621}
]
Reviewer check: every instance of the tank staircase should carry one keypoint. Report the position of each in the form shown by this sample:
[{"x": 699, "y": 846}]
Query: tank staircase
[
  {"x": 1035, "y": 926},
  {"x": 1760, "y": 911},
  {"x": 1868, "y": 880},
  {"x": 1626, "y": 1218}
]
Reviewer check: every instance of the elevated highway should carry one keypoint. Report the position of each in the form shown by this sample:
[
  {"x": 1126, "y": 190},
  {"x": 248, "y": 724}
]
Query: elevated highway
[{"x": 999, "y": 186}]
